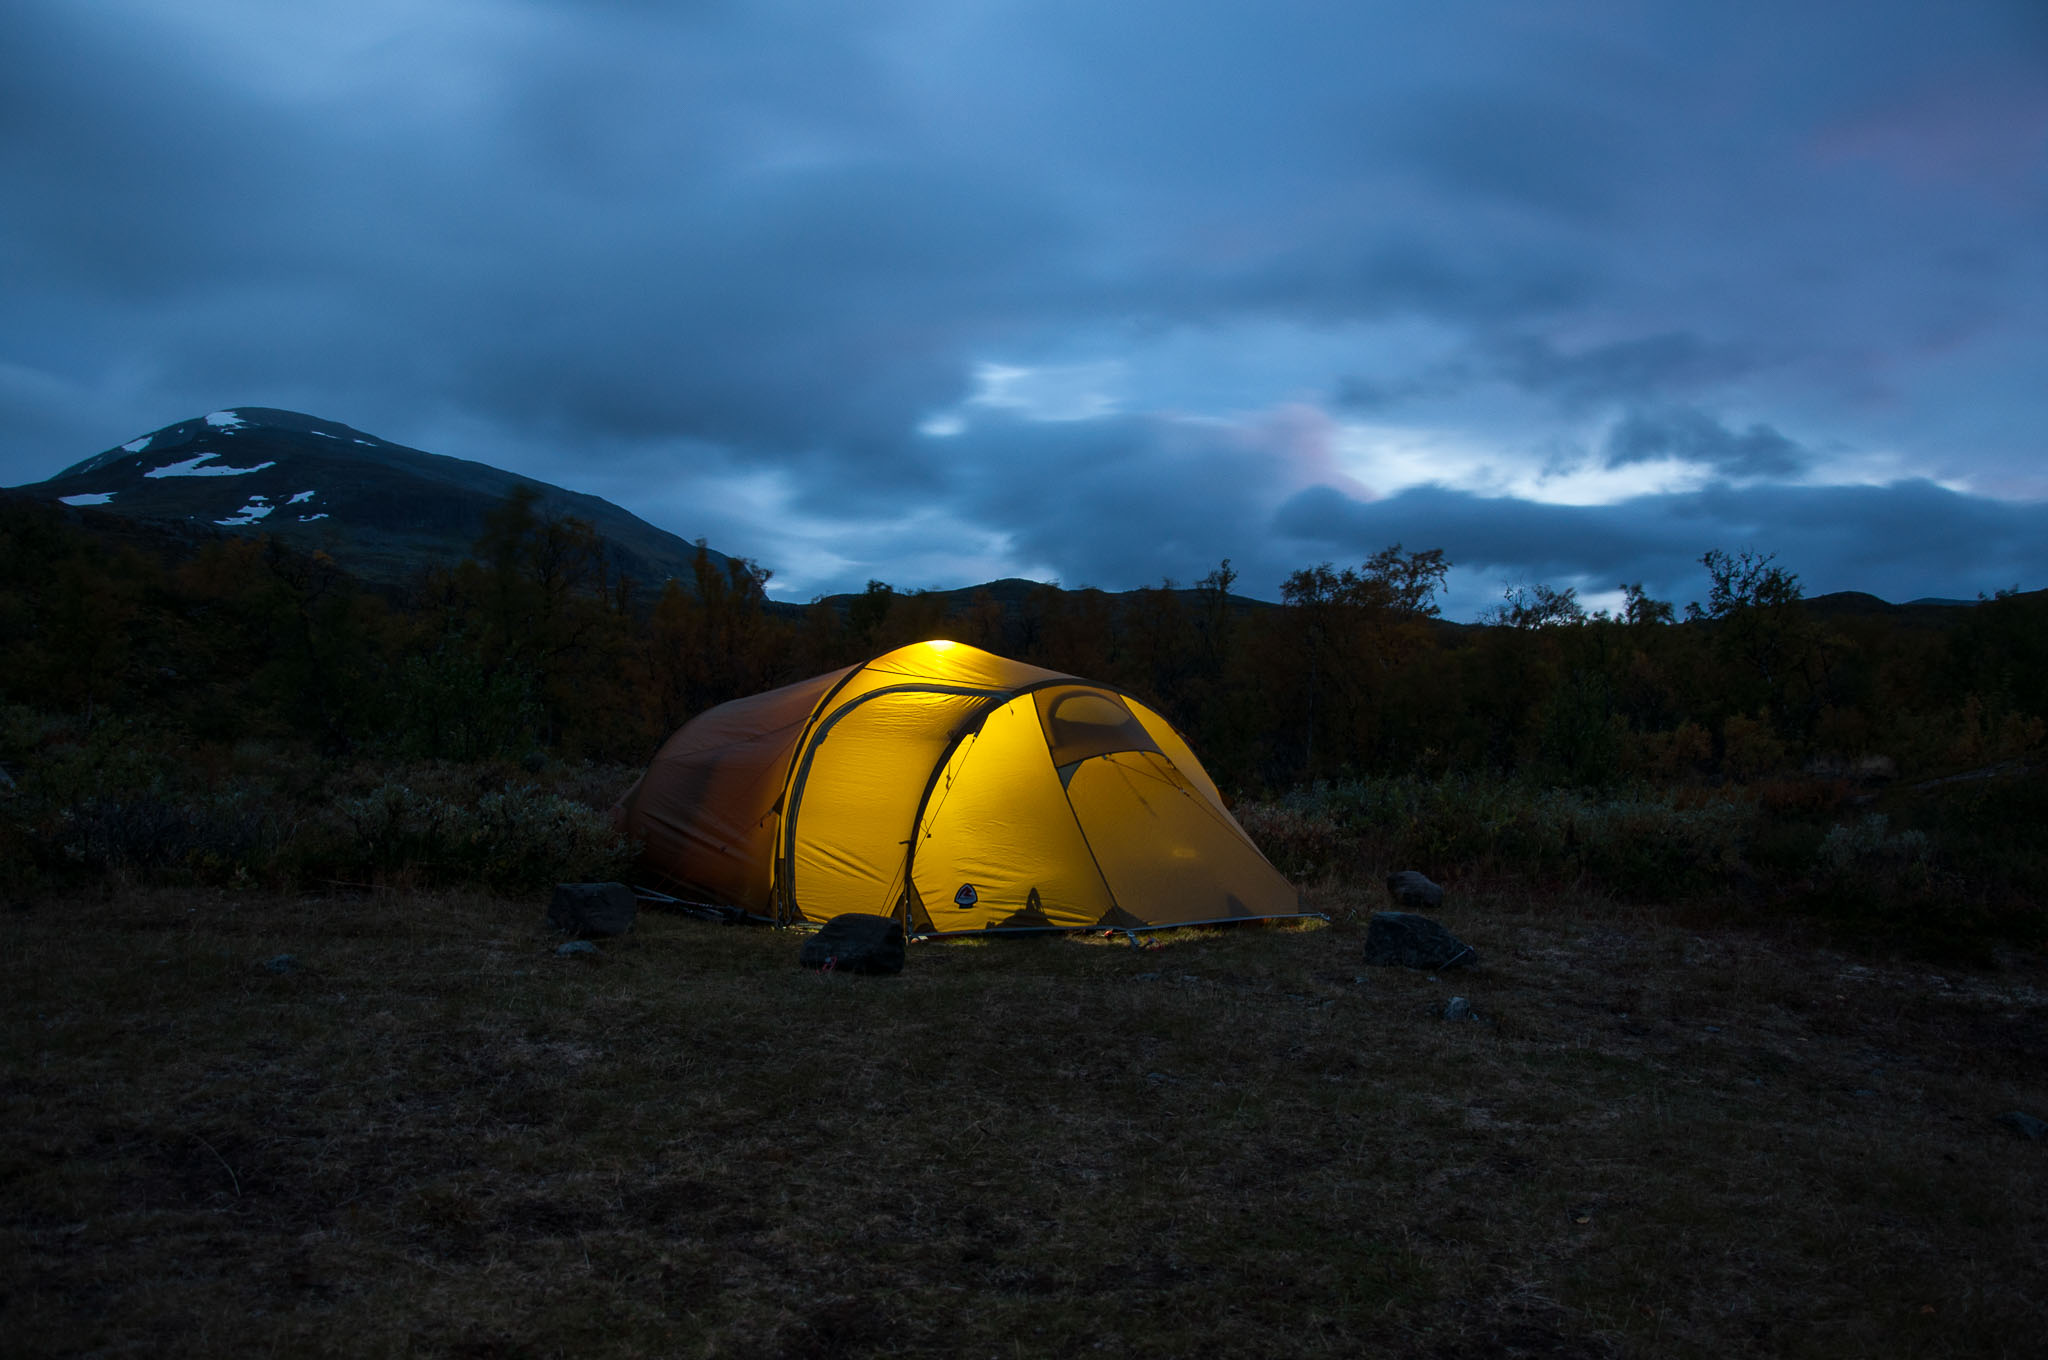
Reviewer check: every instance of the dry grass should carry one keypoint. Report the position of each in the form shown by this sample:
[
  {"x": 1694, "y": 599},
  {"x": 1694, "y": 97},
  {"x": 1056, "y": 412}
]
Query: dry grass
[{"x": 436, "y": 1138}]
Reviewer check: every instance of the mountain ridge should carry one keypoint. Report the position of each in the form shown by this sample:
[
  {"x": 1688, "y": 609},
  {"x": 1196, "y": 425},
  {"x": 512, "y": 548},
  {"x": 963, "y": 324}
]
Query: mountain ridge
[{"x": 382, "y": 510}]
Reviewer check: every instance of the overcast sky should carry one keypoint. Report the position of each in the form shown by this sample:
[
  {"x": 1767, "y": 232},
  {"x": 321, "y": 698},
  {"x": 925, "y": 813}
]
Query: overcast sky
[{"x": 938, "y": 291}]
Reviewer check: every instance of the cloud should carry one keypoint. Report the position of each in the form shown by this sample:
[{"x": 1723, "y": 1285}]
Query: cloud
[
  {"x": 1555, "y": 153},
  {"x": 1902, "y": 541},
  {"x": 1130, "y": 500},
  {"x": 1647, "y": 366},
  {"x": 1693, "y": 436},
  {"x": 753, "y": 265}
]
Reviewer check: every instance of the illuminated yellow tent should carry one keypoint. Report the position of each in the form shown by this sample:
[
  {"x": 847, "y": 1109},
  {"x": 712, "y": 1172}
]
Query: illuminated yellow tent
[{"x": 955, "y": 790}]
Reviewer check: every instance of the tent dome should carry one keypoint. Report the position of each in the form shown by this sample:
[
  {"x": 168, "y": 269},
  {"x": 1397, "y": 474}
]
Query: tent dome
[{"x": 954, "y": 789}]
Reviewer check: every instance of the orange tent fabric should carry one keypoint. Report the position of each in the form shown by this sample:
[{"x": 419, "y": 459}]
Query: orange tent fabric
[{"x": 955, "y": 789}]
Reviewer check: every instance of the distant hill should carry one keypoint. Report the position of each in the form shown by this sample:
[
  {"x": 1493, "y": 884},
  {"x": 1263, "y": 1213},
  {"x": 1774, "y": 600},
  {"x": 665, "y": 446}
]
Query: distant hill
[
  {"x": 380, "y": 509},
  {"x": 1927, "y": 612},
  {"x": 1013, "y": 594}
]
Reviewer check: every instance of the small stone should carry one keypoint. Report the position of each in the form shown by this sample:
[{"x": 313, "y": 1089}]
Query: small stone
[
  {"x": 282, "y": 963},
  {"x": 855, "y": 942},
  {"x": 1411, "y": 941},
  {"x": 1457, "y": 1008},
  {"x": 1411, "y": 889},
  {"x": 592, "y": 910},
  {"x": 576, "y": 949},
  {"x": 2025, "y": 1125}
]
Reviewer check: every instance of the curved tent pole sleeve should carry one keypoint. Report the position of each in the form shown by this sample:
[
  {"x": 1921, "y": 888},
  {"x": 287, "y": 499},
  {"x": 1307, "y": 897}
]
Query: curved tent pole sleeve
[
  {"x": 785, "y": 847},
  {"x": 931, "y": 783},
  {"x": 800, "y": 773},
  {"x": 1067, "y": 793}
]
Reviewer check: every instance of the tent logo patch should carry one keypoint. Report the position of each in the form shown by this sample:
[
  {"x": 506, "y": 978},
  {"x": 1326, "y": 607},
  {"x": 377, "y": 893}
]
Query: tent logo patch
[{"x": 966, "y": 897}]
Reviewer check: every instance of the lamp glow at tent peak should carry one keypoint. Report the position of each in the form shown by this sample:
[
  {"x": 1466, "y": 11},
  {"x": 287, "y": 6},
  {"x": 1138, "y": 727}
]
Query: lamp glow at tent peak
[{"x": 954, "y": 789}]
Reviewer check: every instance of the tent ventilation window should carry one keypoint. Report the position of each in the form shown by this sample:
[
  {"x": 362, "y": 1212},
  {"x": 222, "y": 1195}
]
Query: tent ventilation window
[{"x": 1081, "y": 721}]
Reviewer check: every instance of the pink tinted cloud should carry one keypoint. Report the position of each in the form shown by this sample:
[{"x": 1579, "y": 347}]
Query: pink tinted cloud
[{"x": 1984, "y": 135}]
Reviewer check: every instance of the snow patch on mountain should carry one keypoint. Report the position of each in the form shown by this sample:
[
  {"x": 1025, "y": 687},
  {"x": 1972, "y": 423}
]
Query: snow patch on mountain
[
  {"x": 88, "y": 498},
  {"x": 137, "y": 445},
  {"x": 225, "y": 420},
  {"x": 256, "y": 509},
  {"x": 308, "y": 519},
  {"x": 302, "y": 496},
  {"x": 190, "y": 468}
]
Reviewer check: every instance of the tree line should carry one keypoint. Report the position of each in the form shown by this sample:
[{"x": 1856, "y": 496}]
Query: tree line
[{"x": 536, "y": 646}]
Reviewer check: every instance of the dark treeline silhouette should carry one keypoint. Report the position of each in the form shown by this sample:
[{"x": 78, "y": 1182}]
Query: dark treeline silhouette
[{"x": 536, "y": 644}]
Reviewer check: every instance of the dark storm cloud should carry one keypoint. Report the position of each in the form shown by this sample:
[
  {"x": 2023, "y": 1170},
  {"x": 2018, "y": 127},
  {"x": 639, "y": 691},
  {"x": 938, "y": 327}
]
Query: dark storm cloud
[
  {"x": 1489, "y": 533},
  {"x": 1901, "y": 541},
  {"x": 1545, "y": 154},
  {"x": 1129, "y": 500},
  {"x": 1639, "y": 369},
  {"x": 1695, "y": 437},
  {"x": 1621, "y": 370}
]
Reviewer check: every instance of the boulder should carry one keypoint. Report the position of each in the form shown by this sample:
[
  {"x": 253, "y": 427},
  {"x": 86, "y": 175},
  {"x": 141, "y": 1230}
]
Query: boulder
[
  {"x": 1457, "y": 1008},
  {"x": 2025, "y": 1125},
  {"x": 593, "y": 910},
  {"x": 1411, "y": 941},
  {"x": 1410, "y": 889},
  {"x": 855, "y": 942}
]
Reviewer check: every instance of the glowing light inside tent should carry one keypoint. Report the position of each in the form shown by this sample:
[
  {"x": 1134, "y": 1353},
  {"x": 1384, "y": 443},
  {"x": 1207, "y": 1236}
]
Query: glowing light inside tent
[{"x": 941, "y": 645}]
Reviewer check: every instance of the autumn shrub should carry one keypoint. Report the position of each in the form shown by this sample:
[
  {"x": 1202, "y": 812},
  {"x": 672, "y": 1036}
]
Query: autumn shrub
[{"x": 1301, "y": 841}]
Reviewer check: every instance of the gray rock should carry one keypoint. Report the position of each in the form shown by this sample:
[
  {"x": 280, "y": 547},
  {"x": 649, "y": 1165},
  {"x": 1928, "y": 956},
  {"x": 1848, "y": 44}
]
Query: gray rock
[
  {"x": 1458, "y": 1008},
  {"x": 1411, "y": 941},
  {"x": 1410, "y": 889},
  {"x": 577, "y": 949},
  {"x": 282, "y": 963},
  {"x": 592, "y": 910},
  {"x": 855, "y": 942},
  {"x": 2025, "y": 1125}
]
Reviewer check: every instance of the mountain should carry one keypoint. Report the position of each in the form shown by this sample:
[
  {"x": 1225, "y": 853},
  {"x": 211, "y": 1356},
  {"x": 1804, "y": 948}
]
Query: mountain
[
  {"x": 380, "y": 509},
  {"x": 1014, "y": 594},
  {"x": 1928, "y": 612}
]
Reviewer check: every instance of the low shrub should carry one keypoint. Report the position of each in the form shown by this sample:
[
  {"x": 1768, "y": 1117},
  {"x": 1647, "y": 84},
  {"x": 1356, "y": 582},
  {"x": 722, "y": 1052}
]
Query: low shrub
[
  {"x": 90, "y": 808},
  {"x": 508, "y": 839},
  {"x": 1946, "y": 874},
  {"x": 1632, "y": 844},
  {"x": 1869, "y": 846},
  {"x": 181, "y": 839}
]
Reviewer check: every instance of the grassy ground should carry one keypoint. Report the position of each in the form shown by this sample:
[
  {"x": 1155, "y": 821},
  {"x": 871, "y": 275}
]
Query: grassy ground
[{"x": 433, "y": 1137}]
